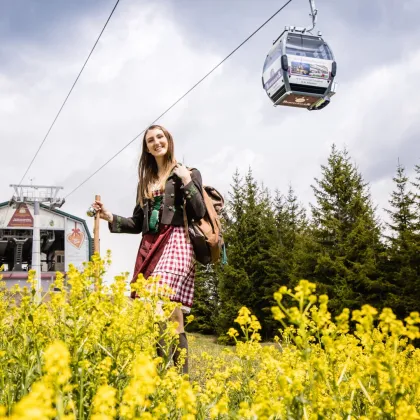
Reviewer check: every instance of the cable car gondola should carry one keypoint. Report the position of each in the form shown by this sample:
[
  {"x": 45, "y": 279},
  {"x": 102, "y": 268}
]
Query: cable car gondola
[{"x": 299, "y": 69}]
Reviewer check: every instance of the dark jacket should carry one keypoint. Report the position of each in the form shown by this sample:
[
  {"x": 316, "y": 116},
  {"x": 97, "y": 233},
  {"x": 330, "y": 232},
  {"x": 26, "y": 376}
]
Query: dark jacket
[{"x": 173, "y": 202}]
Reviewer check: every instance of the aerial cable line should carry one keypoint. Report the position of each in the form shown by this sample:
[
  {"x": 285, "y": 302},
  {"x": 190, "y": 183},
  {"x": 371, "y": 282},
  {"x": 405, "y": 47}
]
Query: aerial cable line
[
  {"x": 180, "y": 99},
  {"x": 71, "y": 90}
]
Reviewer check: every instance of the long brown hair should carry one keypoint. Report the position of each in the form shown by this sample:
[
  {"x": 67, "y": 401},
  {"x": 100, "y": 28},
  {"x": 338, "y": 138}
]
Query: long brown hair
[{"x": 148, "y": 169}]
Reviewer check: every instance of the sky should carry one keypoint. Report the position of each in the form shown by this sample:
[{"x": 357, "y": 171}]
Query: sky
[{"x": 153, "y": 51}]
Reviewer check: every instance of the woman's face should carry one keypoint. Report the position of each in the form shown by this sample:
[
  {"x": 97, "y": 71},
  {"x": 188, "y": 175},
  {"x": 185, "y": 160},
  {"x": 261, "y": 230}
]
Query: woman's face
[{"x": 156, "y": 142}]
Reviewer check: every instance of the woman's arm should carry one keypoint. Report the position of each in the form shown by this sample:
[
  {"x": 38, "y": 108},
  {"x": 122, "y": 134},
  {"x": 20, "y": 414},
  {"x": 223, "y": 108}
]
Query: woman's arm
[
  {"x": 119, "y": 224},
  {"x": 133, "y": 224}
]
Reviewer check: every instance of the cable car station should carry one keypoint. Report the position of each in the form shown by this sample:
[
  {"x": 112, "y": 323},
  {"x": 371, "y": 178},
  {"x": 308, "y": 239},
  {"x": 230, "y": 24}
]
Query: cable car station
[{"x": 34, "y": 234}]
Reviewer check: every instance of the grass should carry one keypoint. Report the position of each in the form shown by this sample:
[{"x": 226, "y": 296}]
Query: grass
[
  {"x": 206, "y": 356},
  {"x": 208, "y": 343},
  {"x": 199, "y": 347}
]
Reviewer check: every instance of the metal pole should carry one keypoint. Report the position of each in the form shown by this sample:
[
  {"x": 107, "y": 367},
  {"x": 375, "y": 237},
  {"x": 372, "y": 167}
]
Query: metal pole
[
  {"x": 96, "y": 247},
  {"x": 36, "y": 250},
  {"x": 96, "y": 229}
]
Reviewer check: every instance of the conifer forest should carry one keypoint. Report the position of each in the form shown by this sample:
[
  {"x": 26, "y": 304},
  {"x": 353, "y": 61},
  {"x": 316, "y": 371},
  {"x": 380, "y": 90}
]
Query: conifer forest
[{"x": 338, "y": 242}]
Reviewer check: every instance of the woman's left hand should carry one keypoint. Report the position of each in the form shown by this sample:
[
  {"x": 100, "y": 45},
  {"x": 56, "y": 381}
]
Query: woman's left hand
[{"x": 182, "y": 172}]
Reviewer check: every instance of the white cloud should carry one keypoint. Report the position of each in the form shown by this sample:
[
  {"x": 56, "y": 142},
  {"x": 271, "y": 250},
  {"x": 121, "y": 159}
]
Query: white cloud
[{"x": 142, "y": 64}]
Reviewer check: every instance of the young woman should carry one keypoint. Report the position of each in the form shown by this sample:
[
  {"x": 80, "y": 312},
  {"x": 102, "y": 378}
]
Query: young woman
[{"x": 164, "y": 186}]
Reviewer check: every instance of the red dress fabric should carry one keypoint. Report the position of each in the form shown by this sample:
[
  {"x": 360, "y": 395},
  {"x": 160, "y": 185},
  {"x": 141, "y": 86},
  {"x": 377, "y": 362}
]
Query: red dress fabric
[{"x": 150, "y": 250}]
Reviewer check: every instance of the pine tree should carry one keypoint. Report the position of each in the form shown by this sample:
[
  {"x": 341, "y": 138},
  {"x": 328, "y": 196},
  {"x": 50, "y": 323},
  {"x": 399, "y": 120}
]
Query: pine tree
[
  {"x": 403, "y": 200},
  {"x": 301, "y": 244},
  {"x": 281, "y": 249},
  {"x": 206, "y": 300},
  {"x": 403, "y": 261},
  {"x": 233, "y": 280},
  {"x": 416, "y": 185},
  {"x": 290, "y": 217},
  {"x": 295, "y": 237},
  {"x": 268, "y": 265},
  {"x": 348, "y": 236},
  {"x": 248, "y": 278}
]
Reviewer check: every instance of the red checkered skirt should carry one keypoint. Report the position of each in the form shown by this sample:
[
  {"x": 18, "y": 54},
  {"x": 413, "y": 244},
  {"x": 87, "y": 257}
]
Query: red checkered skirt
[{"x": 170, "y": 256}]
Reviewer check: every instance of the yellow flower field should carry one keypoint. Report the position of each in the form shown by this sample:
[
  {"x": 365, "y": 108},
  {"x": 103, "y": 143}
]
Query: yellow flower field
[{"x": 91, "y": 354}]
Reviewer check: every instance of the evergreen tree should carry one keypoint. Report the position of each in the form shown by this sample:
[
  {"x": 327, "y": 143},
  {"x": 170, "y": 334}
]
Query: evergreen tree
[
  {"x": 348, "y": 236},
  {"x": 271, "y": 243},
  {"x": 248, "y": 278},
  {"x": 233, "y": 280},
  {"x": 301, "y": 244},
  {"x": 416, "y": 185},
  {"x": 290, "y": 217},
  {"x": 295, "y": 237},
  {"x": 402, "y": 200},
  {"x": 269, "y": 266},
  {"x": 206, "y": 300},
  {"x": 403, "y": 255},
  {"x": 280, "y": 252}
]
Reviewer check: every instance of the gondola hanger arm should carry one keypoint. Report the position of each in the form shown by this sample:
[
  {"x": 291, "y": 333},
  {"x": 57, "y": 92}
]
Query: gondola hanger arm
[{"x": 313, "y": 14}]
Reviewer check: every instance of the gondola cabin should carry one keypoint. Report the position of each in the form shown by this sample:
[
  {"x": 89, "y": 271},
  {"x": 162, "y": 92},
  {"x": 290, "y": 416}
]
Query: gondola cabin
[{"x": 299, "y": 70}]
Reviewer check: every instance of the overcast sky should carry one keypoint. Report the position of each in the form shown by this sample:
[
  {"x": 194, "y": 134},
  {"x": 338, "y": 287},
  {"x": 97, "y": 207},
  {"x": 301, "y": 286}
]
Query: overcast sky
[{"x": 153, "y": 51}]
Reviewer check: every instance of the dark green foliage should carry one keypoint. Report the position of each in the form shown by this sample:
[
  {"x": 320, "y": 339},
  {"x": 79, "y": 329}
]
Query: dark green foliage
[
  {"x": 348, "y": 235},
  {"x": 271, "y": 243},
  {"x": 416, "y": 195},
  {"x": 251, "y": 277},
  {"x": 403, "y": 262},
  {"x": 295, "y": 238},
  {"x": 206, "y": 300}
]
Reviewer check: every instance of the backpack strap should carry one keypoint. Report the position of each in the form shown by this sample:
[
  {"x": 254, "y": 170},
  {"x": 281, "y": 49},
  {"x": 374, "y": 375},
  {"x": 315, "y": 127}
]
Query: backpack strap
[{"x": 187, "y": 236}]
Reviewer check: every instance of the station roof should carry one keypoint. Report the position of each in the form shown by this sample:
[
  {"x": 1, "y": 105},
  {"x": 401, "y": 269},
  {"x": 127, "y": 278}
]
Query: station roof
[{"x": 61, "y": 213}]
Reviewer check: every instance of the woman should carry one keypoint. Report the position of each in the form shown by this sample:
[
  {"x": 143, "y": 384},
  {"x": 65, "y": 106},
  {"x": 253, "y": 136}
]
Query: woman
[{"x": 164, "y": 186}]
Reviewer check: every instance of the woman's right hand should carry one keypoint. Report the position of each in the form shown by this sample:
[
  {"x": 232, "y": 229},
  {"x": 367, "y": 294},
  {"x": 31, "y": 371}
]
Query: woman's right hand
[{"x": 103, "y": 212}]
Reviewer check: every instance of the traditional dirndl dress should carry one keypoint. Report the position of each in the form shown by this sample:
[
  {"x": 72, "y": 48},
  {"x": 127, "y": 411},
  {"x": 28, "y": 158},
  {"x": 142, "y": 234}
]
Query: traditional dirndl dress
[{"x": 168, "y": 254}]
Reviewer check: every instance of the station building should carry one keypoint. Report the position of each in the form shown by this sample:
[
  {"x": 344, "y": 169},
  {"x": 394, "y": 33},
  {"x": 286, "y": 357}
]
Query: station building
[{"x": 65, "y": 239}]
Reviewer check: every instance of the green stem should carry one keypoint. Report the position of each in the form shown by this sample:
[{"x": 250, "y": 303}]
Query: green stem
[{"x": 81, "y": 411}]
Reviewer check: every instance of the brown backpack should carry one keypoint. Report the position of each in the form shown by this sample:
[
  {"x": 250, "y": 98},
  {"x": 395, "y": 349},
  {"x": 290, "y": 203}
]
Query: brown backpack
[{"x": 206, "y": 234}]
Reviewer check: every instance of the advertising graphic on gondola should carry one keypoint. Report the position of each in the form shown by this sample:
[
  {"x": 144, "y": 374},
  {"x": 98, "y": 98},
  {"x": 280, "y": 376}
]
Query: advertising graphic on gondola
[
  {"x": 310, "y": 70},
  {"x": 275, "y": 76},
  {"x": 300, "y": 101},
  {"x": 272, "y": 75}
]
